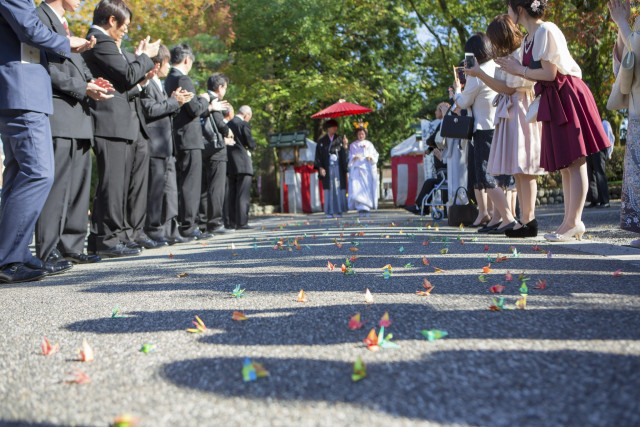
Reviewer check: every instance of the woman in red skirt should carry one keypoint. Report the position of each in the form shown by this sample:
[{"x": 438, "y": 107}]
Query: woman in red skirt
[{"x": 571, "y": 124}]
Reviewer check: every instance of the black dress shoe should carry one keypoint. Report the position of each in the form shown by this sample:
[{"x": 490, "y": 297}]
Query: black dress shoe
[
  {"x": 134, "y": 245},
  {"x": 591, "y": 205},
  {"x": 604, "y": 205},
  {"x": 244, "y": 227},
  {"x": 528, "y": 230},
  {"x": 146, "y": 242},
  {"x": 501, "y": 230},
  {"x": 17, "y": 272},
  {"x": 78, "y": 258},
  {"x": 56, "y": 264},
  {"x": 118, "y": 250},
  {"x": 198, "y": 235},
  {"x": 488, "y": 228},
  {"x": 35, "y": 264},
  {"x": 178, "y": 239}
]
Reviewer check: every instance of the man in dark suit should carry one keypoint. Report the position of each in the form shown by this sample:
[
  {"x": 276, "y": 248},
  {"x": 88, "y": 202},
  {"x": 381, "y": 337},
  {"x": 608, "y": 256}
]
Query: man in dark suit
[
  {"x": 25, "y": 101},
  {"x": 331, "y": 146},
  {"x": 189, "y": 141},
  {"x": 116, "y": 127},
  {"x": 240, "y": 169},
  {"x": 62, "y": 227},
  {"x": 214, "y": 160},
  {"x": 162, "y": 202}
]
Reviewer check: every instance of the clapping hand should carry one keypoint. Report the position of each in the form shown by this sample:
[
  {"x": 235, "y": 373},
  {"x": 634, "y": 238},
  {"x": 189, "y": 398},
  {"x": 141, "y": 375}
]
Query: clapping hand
[
  {"x": 182, "y": 96},
  {"x": 620, "y": 11},
  {"x": 150, "y": 49},
  {"x": 79, "y": 45},
  {"x": 98, "y": 90},
  {"x": 217, "y": 105}
]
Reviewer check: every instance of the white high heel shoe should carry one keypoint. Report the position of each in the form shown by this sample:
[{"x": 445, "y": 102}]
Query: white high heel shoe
[{"x": 577, "y": 231}]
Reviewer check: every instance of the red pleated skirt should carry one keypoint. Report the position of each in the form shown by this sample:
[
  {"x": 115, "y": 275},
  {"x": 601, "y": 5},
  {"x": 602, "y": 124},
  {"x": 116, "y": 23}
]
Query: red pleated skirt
[{"x": 571, "y": 124}]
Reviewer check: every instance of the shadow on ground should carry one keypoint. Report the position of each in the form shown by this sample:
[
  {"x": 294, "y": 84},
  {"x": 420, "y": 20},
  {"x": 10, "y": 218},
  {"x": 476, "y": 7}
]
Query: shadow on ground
[{"x": 498, "y": 388}]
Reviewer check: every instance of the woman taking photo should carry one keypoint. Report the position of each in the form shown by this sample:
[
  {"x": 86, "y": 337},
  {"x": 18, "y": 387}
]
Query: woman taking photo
[
  {"x": 630, "y": 209},
  {"x": 363, "y": 173},
  {"x": 479, "y": 97},
  {"x": 571, "y": 125},
  {"x": 515, "y": 149}
]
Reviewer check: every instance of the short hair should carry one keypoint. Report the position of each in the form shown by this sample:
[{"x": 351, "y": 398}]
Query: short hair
[
  {"x": 108, "y": 8},
  {"x": 163, "y": 55},
  {"x": 216, "y": 80},
  {"x": 505, "y": 36},
  {"x": 480, "y": 45},
  {"x": 180, "y": 51},
  {"x": 330, "y": 123},
  {"x": 245, "y": 109}
]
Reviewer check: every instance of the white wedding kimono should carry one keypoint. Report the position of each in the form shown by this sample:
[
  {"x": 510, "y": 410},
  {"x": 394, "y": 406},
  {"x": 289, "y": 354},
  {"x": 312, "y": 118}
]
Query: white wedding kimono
[{"x": 363, "y": 176}]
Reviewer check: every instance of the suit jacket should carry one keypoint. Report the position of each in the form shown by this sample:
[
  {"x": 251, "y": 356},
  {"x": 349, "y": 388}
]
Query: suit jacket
[
  {"x": 134, "y": 96},
  {"x": 71, "y": 112},
  {"x": 26, "y": 86},
  {"x": 323, "y": 150},
  {"x": 158, "y": 110},
  {"x": 187, "y": 129},
  {"x": 116, "y": 117},
  {"x": 239, "y": 158}
]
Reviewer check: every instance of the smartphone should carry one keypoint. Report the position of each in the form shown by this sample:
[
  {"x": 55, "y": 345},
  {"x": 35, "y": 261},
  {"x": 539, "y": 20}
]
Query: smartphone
[
  {"x": 462, "y": 78},
  {"x": 469, "y": 60}
]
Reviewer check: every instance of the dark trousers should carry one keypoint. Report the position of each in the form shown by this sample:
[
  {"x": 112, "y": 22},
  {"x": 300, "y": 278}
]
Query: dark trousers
[
  {"x": 63, "y": 222},
  {"x": 27, "y": 179},
  {"x": 114, "y": 158},
  {"x": 212, "y": 197},
  {"x": 138, "y": 189},
  {"x": 598, "y": 191},
  {"x": 162, "y": 201},
  {"x": 429, "y": 185},
  {"x": 239, "y": 199},
  {"x": 189, "y": 168}
]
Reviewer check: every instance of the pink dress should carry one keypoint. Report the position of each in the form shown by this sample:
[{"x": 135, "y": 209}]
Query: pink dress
[{"x": 571, "y": 124}]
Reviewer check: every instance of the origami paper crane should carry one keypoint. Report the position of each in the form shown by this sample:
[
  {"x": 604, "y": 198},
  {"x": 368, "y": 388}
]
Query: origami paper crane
[
  {"x": 508, "y": 277},
  {"x": 523, "y": 278},
  {"x": 515, "y": 253},
  {"x": 302, "y": 297},
  {"x": 461, "y": 227},
  {"x": 433, "y": 334},
  {"x": 251, "y": 371},
  {"x": 401, "y": 249},
  {"x": 524, "y": 289},
  {"x": 86, "y": 353},
  {"x": 79, "y": 377},
  {"x": 330, "y": 266},
  {"x": 170, "y": 256},
  {"x": 428, "y": 288},
  {"x": 425, "y": 261},
  {"x": 548, "y": 254},
  {"x": 372, "y": 340},
  {"x": 199, "y": 326},
  {"x": 237, "y": 292},
  {"x": 536, "y": 248},
  {"x": 617, "y": 273},
  {"x": 425, "y": 243},
  {"x": 353, "y": 249},
  {"x": 114, "y": 312},
  {"x": 482, "y": 279},
  {"x": 385, "y": 321},
  {"x": 353, "y": 258},
  {"x": 541, "y": 284},
  {"x": 444, "y": 251},
  {"x": 475, "y": 239},
  {"x": 497, "y": 305},
  {"x": 521, "y": 303},
  {"x": 438, "y": 270},
  {"x": 147, "y": 348},
  {"x": 368, "y": 298},
  {"x": 181, "y": 275},
  {"x": 355, "y": 323},
  {"x": 497, "y": 289},
  {"x": 487, "y": 269},
  {"x": 409, "y": 265},
  {"x": 125, "y": 421},
  {"x": 239, "y": 316},
  {"x": 48, "y": 349},
  {"x": 486, "y": 248},
  {"x": 385, "y": 341},
  {"x": 347, "y": 267},
  {"x": 359, "y": 370}
]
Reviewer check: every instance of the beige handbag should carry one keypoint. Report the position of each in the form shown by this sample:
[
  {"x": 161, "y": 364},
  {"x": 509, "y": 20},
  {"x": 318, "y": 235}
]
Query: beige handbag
[
  {"x": 619, "y": 98},
  {"x": 532, "y": 112}
]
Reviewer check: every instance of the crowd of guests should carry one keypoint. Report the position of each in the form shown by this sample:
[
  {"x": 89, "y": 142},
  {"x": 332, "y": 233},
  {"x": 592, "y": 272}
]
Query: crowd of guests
[
  {"x": 172, "y": 166},
  {"x": 509, "y": 149}
]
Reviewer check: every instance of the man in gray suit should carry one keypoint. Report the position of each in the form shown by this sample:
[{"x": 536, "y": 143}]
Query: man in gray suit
[
  {"x": 25, "y": 101},
  {"x": 62, "y": 227}
]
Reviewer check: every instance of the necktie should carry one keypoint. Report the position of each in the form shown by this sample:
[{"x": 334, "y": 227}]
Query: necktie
[{"x": 66, "y": 27}]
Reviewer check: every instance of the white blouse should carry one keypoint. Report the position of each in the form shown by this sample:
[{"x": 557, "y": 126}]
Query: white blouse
[
  {"x": 478, "y": 97},
  {"x": 549, "y": 44}
]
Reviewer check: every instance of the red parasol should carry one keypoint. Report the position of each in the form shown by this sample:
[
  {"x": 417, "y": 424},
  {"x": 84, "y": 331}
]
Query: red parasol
[{"x": 340, "y": 109}]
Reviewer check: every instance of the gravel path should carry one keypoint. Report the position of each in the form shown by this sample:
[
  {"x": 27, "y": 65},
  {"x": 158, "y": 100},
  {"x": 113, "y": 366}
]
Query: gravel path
[{"x": 571, "y": 357}]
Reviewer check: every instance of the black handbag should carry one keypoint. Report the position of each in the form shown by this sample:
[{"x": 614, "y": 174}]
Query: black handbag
[
  {"x": 457, "y": 127},
  {"x": 213, "y": 140},
  {"x": 462, "y": 214}
]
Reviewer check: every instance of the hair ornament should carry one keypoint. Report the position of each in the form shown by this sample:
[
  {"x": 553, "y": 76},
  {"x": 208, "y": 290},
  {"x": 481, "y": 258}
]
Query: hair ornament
[
  {"x": 535, "y": 5},
  {"x": 360, "y": 125}
]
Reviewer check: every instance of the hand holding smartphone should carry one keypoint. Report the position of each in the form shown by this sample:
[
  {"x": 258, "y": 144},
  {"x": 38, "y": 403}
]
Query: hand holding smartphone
[{"x": 469, "y": 60}]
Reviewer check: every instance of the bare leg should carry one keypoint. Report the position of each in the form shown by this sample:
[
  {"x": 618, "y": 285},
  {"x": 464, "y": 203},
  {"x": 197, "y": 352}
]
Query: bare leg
[
  {"x": 499, "y": 200},
  {"x": 566, "y": 189},
  {"x": 578, "y": 183},
  {"x": 481, "y": 197},
  {"x": 513, "y": 201},
  {"x": 527, "y": 190}
]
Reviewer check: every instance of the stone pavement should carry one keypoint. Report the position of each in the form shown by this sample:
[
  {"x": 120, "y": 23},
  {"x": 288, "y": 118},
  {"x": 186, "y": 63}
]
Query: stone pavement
[{"x": 572, "y": 357}]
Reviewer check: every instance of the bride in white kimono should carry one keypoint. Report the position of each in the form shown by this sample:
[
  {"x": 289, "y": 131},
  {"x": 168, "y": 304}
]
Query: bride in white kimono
[{"x": 363, "y": 172}]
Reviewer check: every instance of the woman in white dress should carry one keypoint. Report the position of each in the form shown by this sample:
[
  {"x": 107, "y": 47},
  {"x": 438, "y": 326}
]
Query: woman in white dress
[{"x": 363, "y": 172}]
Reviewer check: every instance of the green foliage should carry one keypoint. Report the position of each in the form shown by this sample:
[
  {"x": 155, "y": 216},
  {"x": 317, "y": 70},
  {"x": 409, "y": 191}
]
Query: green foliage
[{"x": 615, "y": 166}]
